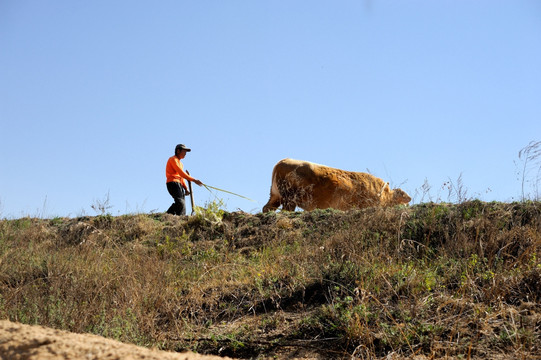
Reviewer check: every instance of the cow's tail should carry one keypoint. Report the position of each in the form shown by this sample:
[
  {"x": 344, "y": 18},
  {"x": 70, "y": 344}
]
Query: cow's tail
[
  {"x": 274, "y": 200},
  {"x": 274, "y": 184},
  {"x": 274, "y": 192}
]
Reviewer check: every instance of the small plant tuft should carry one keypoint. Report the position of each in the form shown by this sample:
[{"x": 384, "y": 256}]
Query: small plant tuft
[{"x": 102, "y": 206}]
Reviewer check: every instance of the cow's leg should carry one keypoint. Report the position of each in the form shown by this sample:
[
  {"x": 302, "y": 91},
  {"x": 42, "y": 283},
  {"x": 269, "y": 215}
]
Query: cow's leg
[
  {"x": 288, "y": 204},
  {"x": 272, "y": 204}
]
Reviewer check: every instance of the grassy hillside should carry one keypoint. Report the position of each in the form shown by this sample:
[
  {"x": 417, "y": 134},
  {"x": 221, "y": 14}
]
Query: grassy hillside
[{"x": 433, "y": 279}]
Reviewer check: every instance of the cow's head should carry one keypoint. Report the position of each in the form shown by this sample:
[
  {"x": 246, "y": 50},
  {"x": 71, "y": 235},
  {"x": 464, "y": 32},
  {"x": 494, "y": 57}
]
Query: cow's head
[{"x": 400, "y": 197}]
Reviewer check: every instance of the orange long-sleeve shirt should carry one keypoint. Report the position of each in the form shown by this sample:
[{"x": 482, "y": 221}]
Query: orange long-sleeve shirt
[{"x": 174, "y": 171}]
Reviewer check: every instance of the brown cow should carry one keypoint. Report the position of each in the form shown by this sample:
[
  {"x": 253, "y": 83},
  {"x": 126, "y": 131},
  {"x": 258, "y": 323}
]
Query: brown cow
[{"x": 311, "y": 186}]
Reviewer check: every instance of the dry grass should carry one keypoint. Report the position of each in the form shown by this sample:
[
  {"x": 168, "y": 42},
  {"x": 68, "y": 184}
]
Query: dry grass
[{"x": 433, "y": 280}]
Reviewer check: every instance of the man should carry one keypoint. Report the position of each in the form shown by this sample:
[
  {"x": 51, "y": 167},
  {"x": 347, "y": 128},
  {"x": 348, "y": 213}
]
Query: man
[{"x": 175, "y": 174}]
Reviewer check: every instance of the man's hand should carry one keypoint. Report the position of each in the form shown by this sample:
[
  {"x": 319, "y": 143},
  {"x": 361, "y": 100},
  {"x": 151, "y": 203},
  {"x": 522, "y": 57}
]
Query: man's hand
[{"x": 198, "y": 182}]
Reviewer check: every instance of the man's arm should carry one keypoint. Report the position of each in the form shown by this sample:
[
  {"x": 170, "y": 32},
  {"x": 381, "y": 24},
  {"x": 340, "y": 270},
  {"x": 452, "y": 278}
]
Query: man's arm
[{"x": 186, "y": 176}]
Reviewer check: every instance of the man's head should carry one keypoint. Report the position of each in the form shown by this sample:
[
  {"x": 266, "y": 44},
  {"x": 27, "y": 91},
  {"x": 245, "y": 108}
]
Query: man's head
[{"x": 181, "y": 149}]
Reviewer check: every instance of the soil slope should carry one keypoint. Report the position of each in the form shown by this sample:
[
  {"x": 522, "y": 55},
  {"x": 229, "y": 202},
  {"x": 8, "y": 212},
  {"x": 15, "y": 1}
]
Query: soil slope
[{"x": 18, "y": 341}]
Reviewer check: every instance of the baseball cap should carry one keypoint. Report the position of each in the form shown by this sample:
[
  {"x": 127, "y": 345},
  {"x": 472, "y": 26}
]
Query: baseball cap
[{"x": 182, "y": 147}]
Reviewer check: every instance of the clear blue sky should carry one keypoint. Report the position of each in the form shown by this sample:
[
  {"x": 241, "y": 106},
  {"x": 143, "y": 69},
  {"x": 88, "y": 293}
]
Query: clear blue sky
[{"x": 94, "y": 95}]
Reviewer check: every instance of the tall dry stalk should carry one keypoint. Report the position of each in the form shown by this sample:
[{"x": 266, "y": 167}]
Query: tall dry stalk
[{"x": 531, "y": 158}]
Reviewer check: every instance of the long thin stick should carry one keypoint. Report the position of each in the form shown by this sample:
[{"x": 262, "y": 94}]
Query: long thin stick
[{"x": 191, "y": 193}]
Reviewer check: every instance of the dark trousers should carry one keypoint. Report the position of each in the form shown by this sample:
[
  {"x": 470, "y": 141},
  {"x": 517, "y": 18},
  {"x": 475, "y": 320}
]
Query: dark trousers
[{"x": 177, "y": 192}]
